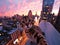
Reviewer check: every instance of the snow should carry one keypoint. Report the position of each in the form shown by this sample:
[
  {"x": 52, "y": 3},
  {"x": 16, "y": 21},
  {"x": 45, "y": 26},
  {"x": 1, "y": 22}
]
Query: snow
[{"x": 51, "y": 34}]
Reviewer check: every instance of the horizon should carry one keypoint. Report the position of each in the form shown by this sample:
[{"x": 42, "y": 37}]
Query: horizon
[{"x": 9, "y": 7}]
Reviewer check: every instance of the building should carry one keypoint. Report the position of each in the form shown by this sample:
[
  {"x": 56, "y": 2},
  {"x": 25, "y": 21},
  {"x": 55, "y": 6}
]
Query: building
[
  {"x": 46, "y": 7},
  {"x": 47, "y": 4},
  {"x": 9, "y": 35},
  {"x": 57, "y": 23},
  {"x": 15, "y": 37},
  {"x": 4, "y": 38}
]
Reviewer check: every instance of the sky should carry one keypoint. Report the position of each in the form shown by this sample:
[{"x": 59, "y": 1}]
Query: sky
[{"x": 11, "y": 7}]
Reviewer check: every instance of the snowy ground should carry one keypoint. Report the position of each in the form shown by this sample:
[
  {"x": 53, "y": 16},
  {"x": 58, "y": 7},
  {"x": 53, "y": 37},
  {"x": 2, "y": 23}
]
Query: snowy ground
[{"x": 51, "y": 34}]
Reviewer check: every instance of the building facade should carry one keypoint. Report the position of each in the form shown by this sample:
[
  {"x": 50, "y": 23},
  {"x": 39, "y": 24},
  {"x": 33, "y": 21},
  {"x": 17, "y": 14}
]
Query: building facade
[
  {"x": 15, "y": 35},
  {"x": 47, "y": 7},
  {"x": 57, "y": 24}
]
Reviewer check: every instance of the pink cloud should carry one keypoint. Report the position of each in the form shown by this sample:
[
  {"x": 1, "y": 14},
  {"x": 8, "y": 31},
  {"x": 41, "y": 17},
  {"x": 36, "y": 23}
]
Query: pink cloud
[
  {"x": 34, "y": 6},
  {"x": 56, "y": 7},
  {"x": 24, "y": 6}
]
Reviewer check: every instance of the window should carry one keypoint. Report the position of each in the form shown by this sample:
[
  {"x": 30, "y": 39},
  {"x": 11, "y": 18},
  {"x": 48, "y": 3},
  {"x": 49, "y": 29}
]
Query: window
[
  {"x": 44, "y": 12},
  {"x": 47, "y": 12}
]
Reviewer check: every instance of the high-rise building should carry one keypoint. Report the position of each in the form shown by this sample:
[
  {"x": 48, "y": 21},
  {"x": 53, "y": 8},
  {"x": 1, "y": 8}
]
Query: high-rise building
[
  {"x": 57, "y": 24},
  {"x": 47, "y": 7},
  {"x": 47, "y": 4}
]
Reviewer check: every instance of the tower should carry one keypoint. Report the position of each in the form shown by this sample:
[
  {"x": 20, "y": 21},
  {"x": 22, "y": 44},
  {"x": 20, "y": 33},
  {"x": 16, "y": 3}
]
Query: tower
[
  {"x": 47, "y": 7},
  {"x": 57, "y": 24}
]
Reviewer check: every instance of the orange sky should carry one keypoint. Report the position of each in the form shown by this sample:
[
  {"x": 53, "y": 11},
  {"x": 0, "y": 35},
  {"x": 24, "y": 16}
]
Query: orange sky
[{"x": 11, "y": 7}]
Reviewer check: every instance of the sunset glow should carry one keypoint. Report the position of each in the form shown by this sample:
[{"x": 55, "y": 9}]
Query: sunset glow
[{"x": 11, "y": 7}]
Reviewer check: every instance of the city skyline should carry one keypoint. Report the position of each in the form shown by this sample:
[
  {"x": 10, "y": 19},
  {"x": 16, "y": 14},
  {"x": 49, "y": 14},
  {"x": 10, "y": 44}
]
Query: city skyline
[{"x": 11, "y": 7}]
